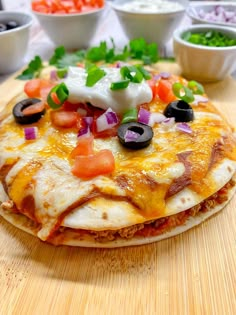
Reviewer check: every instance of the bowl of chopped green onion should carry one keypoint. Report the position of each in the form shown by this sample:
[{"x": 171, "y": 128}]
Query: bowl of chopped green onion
[{"x": 205, "y": 52}]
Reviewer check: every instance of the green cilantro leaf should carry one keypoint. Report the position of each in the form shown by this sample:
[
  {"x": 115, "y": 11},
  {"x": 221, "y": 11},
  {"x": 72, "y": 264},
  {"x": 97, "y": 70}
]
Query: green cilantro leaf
[
  {"x": 95, "y": 54},
  {"x": 139, "y": 49},
  {"x": 33, "y": 70},
  {"x": 61, "y": 59},
  {"x": 58, "y": 54}
]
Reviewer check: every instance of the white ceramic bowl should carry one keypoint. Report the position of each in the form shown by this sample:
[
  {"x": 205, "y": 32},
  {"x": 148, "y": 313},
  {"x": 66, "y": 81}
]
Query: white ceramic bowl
[
  {"x": 152, "y": 26},
  {"x": 14, "y": 43},
  {"x": 210, "y": 12},
  {"x": 73, "y": 31},
  {"x": 204, "y": 63}
]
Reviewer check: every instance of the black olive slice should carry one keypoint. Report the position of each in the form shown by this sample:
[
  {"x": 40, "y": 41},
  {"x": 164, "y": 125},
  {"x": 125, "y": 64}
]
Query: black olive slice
[
  {"x": 11, "y": 24},
  {"x": 20, "y": 118},
  {"x": 180, "y": 110},
  {"x": 145, "y": 133},
  {"x": 3, "y": 27}
]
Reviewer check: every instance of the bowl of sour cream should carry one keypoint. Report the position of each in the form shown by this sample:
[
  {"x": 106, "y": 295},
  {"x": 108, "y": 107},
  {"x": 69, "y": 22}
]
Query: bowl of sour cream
[{"x": 154, "y": 20}]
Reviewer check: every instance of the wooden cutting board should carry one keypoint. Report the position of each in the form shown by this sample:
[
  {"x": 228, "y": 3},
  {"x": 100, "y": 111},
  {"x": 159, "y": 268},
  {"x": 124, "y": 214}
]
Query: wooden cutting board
[{"x": 193, "y": 273}]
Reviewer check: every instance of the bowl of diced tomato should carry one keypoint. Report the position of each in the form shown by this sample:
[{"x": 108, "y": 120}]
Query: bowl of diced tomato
[{"x": 71, "y": 23}]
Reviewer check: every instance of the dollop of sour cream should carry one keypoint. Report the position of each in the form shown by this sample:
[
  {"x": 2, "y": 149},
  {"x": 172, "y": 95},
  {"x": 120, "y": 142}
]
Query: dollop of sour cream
[
  {"x": 151, "y": 6},
  {"x": 100, "y": 95}
]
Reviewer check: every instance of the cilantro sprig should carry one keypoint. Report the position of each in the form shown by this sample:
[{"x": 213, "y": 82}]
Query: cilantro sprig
[
  {"x": 139, "y": 49},
  {"x": 61, "y": 59},
  {"x": 33, "y": 70},
  {"x": 109, "y": 55}
]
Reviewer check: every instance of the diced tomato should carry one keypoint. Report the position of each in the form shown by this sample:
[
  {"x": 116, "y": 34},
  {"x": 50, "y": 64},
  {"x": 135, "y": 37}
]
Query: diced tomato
[
  {"x": 65, "y": 6},
  {"x": 44, "y": 91},
  {"x": 62, "y": 11},
  {"x": 40, "y": 6},
  {"x": 87, "y": 8},
  {"x": 33, "y": 87},
  {"x": 111, "y": 132},
  {"x": 152, "y": 83},
  {"x": 56, "y": 6},
  {"x": 71, "y": 11},
  {"x": 84, "y": 147},
  {"x": 33, "y": 109},
  {"x": 67, "y": 106},
  {"x": 164, "y": 91},
  {"x": 90, "y": 166},
  {"x": 64, "y": 119}
]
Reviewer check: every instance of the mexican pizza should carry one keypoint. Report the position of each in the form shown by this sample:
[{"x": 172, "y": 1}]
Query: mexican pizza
[{"x": 113, "y": 156}]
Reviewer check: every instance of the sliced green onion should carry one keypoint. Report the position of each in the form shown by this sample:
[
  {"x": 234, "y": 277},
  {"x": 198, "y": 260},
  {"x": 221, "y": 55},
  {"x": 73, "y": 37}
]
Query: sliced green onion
[
  {"x": 209, "y": 38},
  {"x": 61, "y": 92},
  {"x": 182, "y": 92},
  {"x": 130, "y": 115},
  {"x": 119, "y": 85},
  {"x": 132, "y": 73},
  {"x": 94, "y": 74},
  {"x": 145, "y": 73},
  {"x": 196, "y": 87},
  {"x": 61, "y": 73}
]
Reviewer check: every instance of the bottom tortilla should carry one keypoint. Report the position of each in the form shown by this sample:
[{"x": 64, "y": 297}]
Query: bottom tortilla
[{"x": 73, "y": 239}]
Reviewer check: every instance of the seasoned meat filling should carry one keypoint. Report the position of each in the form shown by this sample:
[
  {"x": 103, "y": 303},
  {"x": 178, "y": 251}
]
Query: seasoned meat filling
[{"x": 161, "y": 225}]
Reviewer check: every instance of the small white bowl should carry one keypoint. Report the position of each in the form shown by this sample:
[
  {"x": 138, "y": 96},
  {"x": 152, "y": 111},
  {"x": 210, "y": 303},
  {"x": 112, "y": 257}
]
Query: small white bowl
[
  {"x": 210, "y": 12},
  {"x": 14, "y": 42},
  {"x": 204, "y": 63},
  {"x": 152, "y": 26},
  {"x": 73, "y": 31}
]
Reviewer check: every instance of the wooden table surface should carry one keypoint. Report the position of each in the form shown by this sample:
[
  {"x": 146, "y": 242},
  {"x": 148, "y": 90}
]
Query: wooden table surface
[{"x": 193, "y": 273}]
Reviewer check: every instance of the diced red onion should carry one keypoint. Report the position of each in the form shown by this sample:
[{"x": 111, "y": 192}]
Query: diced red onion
[
  {"x": 88, "y": 120},
  {"x": 131, "y": 136},
  {"x": 219, "y": 14},
  {"x": 30, "y": 133},
  {"x": 84, "y": 132},
  {"x": 144, "y": 116},
  {"x": 161, "y": 75},
  {"x": 53, "y": 75},
  {"x": 111, "y": 117},
  {"x": 156, "y": 77},
  {"x": 165, "y": 75},
  {"x": 121, "y": 64},
  {"x": 168, "y": 122},
  {"x": 218, "y": 9},
  {"x": 156, "y": 118},
  {"x": 184, "y": 127},
  {"x": 199, "y": 99},
  {"x": 107, "y": 120}
]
